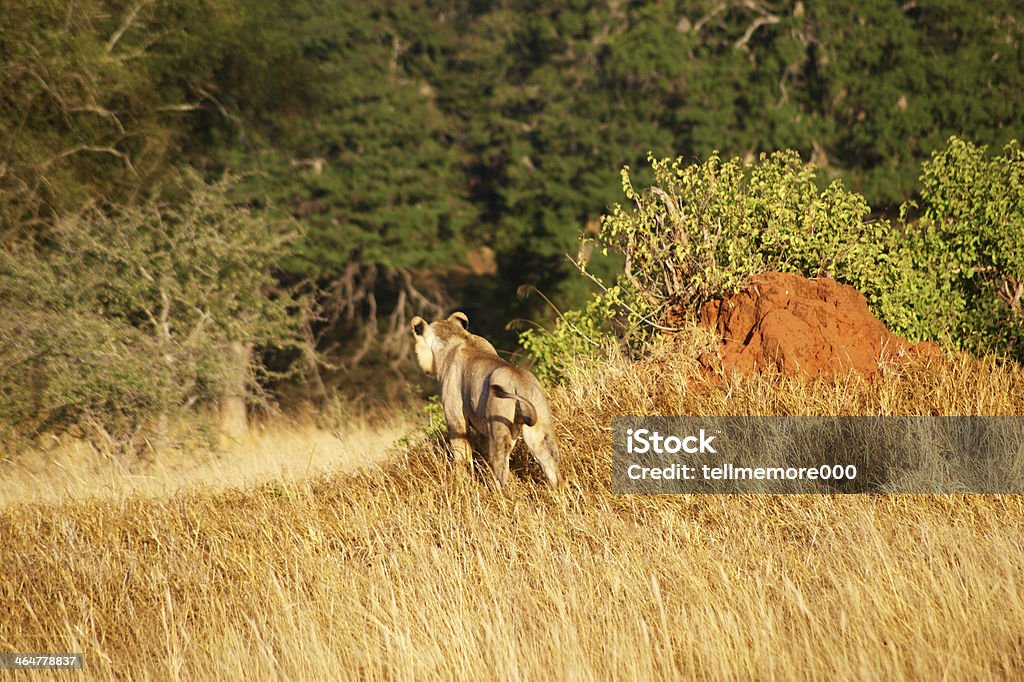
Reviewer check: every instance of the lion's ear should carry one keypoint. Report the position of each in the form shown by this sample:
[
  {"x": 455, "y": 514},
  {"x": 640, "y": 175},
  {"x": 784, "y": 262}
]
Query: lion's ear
[
  {"x": 460, "y": 319},
  {"x": 419, "y": 325}
]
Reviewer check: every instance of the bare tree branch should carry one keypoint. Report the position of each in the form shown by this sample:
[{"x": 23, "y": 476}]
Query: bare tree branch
[
  {"x": 1012, "y": 292},
  {"x": 716, "y": 10},
  {"x": 645, "y": 319},
  {"x": 100, "y": 111},
  {"x": 126, "y": 23},
  {"x": 766, "y": 20},
  {"x": 425, "y": 303},
  {"x": 179, "y": 107},
  {"x": 95, "y": 149}
]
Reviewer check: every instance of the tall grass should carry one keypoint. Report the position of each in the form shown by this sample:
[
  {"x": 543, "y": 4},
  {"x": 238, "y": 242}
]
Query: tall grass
[
  {"x": 343, "y": 436},
  {"x": 409, "y": 572}
]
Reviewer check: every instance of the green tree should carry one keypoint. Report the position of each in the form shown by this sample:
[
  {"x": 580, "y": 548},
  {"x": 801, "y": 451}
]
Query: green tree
[
  {"x": 968, "y": 248},
  {"x": 407, "y": 139},
  {"x": 898, "y": 80},
  {"x": 132, "y": 316}
]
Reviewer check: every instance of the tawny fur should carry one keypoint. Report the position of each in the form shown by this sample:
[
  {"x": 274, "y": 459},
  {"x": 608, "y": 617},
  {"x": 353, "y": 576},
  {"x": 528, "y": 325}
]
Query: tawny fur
[{"x": 478, "y": 388}]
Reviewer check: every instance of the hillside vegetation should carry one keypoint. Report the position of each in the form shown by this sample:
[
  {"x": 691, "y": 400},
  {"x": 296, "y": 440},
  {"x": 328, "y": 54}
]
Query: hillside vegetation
[
  {"x": 238, "y": 206},
  {"x": 403, "y": 572}
]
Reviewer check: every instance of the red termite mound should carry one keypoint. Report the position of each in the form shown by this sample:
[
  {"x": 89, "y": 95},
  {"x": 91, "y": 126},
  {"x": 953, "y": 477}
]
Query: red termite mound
[{"x": 814, "y": 327}]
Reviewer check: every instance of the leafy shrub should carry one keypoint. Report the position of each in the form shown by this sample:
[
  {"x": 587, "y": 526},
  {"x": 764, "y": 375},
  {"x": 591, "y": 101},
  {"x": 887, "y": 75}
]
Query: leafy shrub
[
  {"x": 577, "y": 334},
  {"x": 699, "y": 231},
  {"x": 123, "y": 317},
  {"x": 434, "y": 429},
  {"x": 967, "y": 249}
]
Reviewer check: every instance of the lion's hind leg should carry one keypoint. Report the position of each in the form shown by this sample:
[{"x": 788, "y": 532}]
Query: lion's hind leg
[
  {"x": 500, "y": 440},
  {"x": 462, "y": 449},
  {"x": 545, "y": 450},
  {"x": 458, "y": 438}
]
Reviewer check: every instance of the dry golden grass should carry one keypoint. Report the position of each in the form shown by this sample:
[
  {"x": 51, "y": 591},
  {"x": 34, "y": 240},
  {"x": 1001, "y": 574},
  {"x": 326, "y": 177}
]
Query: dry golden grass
[
  {"x": 406, "y": 572},
  {"x": 346, "y": 438}
]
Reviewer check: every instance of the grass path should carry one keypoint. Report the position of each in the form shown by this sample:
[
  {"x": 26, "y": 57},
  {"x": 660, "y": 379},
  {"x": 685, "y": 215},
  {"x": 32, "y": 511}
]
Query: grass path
[{"x": 287, "y": 451}]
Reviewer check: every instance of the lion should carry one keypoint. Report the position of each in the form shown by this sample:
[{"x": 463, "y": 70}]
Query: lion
[{"x": 478, "y": 388}]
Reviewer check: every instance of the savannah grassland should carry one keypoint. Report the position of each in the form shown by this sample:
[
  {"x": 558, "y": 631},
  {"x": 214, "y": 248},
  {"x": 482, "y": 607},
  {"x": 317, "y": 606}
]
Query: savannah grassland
[{"x": 402, "y": 570}]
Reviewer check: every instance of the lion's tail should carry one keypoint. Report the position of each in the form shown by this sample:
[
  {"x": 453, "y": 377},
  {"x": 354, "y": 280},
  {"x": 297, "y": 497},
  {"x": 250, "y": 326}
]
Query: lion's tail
[{"x": 526, "y": 408}]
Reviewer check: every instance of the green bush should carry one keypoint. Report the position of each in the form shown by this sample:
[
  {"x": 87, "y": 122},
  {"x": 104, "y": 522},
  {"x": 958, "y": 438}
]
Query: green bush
[
  {"x": 577, "y": 334},
  {"x": 699, "y": 231},
  {"x": 120, "y": 318},
  {"x": 435, "y": 428},
  {"x": 967, "y": 249}
]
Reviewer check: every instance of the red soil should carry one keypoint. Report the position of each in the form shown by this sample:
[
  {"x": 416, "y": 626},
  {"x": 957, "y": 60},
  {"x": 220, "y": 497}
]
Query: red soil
[{"x": 814, "y": 327}]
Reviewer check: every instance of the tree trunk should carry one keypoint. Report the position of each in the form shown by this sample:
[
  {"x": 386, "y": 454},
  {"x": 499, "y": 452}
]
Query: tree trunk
[
  {"x": 234, "y": 423},
  {"x": 317, "y": 388}
]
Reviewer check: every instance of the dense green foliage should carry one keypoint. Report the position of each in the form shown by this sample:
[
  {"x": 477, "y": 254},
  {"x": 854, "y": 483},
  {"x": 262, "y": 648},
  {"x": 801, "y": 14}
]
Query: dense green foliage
[
  {"x": 446, "y": 153},
  {"x": 967, "y": 249},
  {"x": 402, "y": 135},
  {"x": 699, "y": 231}
]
